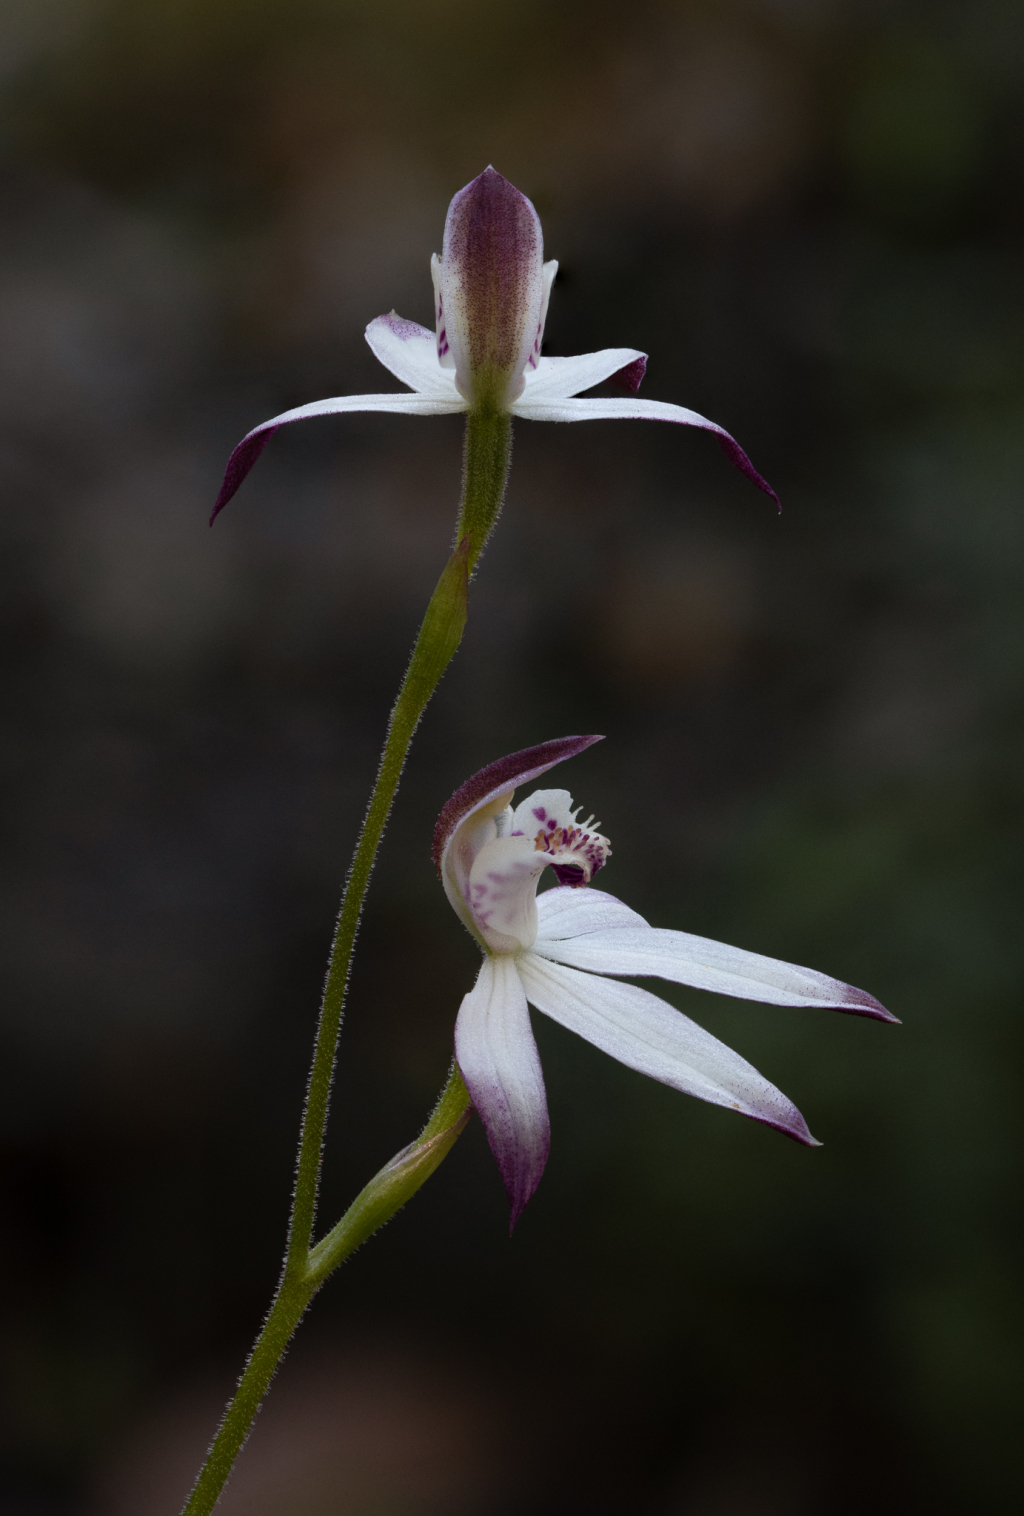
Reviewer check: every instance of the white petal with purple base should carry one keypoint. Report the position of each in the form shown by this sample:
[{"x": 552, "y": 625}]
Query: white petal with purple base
[
  {"x": 499, "y": 1062},
  {"x": 648, "y": 1035},
  {"x": 558, "y": 378}
]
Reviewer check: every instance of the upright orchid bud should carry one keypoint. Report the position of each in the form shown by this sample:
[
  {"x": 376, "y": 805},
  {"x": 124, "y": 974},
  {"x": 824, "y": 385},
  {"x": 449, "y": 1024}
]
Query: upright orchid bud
[{"x": 490, "y": 288}]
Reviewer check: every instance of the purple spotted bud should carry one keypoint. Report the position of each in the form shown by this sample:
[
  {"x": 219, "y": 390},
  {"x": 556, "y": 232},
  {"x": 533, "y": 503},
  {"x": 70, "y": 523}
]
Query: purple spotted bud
[{"x": 491, "y": 288}]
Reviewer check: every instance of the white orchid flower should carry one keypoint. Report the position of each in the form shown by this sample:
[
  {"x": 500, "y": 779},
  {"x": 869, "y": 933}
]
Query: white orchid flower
[
  {"x": 491, "y": 291},
  {"x": 553, "y": 951}
]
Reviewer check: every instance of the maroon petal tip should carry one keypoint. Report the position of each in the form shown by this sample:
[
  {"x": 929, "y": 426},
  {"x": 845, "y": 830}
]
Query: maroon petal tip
[
  {"x": 503, "y": 774},
  {"x": 520, "y": 1183},
  {"x": 519, "y": 1187},
  {"x": 738, "y": 457},
  {"x": 241, "y": 461},
  {"x": 866, "y": 1005},
  {"x": 797, "y": 1129},
  {"x": 631, "y": 377}
]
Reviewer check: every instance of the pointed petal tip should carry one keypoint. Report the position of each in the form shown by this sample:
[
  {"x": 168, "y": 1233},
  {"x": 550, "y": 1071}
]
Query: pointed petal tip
[
  {"x": 490, "y": 177},
  {"x": 515, "y": 1209},
  {"x": 398, "y": 325},
  {"x": 738, "y": 458},
  {"x": 794, "y": 1126},
  {"x": 519, "y": 1196},
  {"x": 860, "y": 1003},
  {"x": 245, "y": 455},
  {"x": 631, "y": 377}
]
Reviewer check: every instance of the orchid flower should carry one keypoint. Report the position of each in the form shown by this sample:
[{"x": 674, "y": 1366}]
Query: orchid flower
[
  {"x": 555, "y": 951},
  {"x": 491, "y": 292}
]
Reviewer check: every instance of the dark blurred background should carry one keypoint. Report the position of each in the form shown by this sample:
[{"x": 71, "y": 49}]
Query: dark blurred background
[{"x": 809, "y": 213}]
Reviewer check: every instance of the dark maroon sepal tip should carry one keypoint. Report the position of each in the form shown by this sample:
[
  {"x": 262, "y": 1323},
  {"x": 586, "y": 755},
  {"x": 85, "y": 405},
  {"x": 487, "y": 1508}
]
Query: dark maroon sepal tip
[
  {"x": 517, "y": 1199},
  {"x": 738, "y": 457},
  {"x": 241, "y": 461},
  {"x": 503, "y": 774},
  {"x": 867, "y": 1005},
  {"x": 631, "y": 377},
  {"x": 804, "y": 1137}
]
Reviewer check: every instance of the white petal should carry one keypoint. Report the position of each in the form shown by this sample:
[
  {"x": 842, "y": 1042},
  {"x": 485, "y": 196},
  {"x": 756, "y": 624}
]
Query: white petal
[
  {"x": 644, "y": 1033},
  {"x": 558, "y": 378},
  {"x": 708, "y": 965},
  {"x": 637, "y": 410},
  {"x": 502, "y": 890},
  {"x": 548, "y": 272},
  {"x": 568, "y": 912},
  {"x": 498, "y": 1059},
  {"x": 410, "y": 352},
  {"x": 445, "y": 356}
]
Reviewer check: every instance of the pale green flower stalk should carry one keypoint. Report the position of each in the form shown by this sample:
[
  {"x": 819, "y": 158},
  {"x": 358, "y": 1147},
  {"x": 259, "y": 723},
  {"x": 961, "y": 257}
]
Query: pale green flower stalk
[{"x": 484, "y": 359}]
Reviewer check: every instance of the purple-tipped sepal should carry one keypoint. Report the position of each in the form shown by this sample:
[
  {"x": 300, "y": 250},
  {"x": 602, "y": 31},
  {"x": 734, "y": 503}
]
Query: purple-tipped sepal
[
  {"x": 859, "y": 1003},
  {"x": 245, "y": 455},
  {"x": 739, "y": 459},
  {"x": 499, "y": 1062}
]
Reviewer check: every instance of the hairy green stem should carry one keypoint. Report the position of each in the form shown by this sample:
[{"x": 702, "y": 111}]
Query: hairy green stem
[
  {"x": 386, "y": 1193},
  {"x": 486, "y": 458}
]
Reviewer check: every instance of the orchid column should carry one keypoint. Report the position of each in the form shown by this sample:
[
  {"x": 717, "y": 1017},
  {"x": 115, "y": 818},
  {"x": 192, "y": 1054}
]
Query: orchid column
[{"x": 491, "y": 290}]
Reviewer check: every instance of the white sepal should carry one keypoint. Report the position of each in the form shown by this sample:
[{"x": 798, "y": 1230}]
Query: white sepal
[
  {"x": 648, "y": 1035},
  {"x": 708, "y": 965},
  {"x": 498, "y": 1059}
]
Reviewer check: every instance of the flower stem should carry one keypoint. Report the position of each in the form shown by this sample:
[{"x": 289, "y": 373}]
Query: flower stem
[{"x": 486, "y": 459}]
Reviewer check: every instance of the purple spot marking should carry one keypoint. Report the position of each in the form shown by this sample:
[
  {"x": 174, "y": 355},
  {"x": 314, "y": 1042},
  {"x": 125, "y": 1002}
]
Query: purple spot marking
[
  {"x": 403, "y": 329},
  {"x": 241, "y": 461},
  {"x": 631, "y": 377},
  {"x": 540, "y": 813}
]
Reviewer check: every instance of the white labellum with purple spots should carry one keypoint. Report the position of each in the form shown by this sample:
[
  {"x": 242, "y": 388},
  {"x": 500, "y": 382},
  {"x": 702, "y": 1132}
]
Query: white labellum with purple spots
[{"x": 554, "y": 950}]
